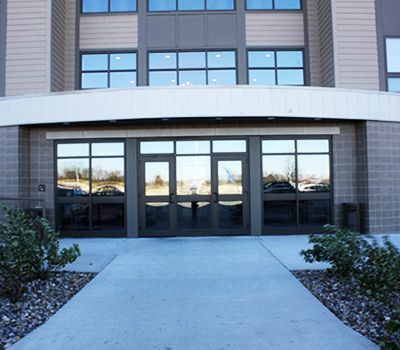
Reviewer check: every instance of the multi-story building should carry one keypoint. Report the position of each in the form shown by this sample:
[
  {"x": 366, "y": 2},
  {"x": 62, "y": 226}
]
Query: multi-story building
[{"x": 201, "y": 117}]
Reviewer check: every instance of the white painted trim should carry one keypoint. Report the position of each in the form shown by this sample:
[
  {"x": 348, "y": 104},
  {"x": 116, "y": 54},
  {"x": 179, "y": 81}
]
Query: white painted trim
[
  {"x": 239, "y": 101},
  {"x": 174, "y": 132}
]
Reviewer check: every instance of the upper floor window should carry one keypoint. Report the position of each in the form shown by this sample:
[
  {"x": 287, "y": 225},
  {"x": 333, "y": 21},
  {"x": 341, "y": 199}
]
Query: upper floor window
[
  {"x": 273, "y": 4},
  {"x": 108, "y": 70},
  {"x": 393, "y": 64},
  {"x": 192, "y": 68},
  {"x": 276, "y": 67},
  {"x": 191, "y": 5},
  {"x": 101, "y": 6}
]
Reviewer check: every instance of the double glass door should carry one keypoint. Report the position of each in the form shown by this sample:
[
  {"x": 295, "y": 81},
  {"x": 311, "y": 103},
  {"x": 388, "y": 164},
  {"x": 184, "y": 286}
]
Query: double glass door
[{"x": 193, "y": 195}]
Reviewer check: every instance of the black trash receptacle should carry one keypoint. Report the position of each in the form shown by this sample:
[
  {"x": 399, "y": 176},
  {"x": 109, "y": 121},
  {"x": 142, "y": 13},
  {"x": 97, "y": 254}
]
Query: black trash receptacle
[
  {"x": 351, "y": 216},
  {"x": 34, "y": 212}
]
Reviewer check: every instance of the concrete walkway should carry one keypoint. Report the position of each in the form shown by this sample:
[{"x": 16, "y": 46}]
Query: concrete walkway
[{"x": 193, "y": 294}]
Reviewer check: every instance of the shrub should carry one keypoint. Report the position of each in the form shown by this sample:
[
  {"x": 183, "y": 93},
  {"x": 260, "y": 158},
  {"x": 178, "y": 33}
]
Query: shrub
[
  {"x": 29, "y": 250},
  {"x": 343, "y": 249},
  {"x": 393, "y": 328}
]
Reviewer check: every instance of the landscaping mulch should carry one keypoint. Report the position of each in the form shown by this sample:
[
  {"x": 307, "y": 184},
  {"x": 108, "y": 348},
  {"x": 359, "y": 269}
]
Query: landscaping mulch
[
  {"x": 41, "y": 300},
  {"x": 351, "y": 303}
]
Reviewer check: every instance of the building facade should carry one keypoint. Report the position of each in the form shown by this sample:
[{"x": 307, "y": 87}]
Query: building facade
[{"x": 209, "y": 117}]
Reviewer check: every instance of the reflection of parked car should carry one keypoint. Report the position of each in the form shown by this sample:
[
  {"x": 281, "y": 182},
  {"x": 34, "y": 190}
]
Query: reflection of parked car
[
  {"x": 107, "y": 190},
  {"x": 70, "y": 192},
  {"x": 314, "y": 188},
  {"x": 278, "y": 187}
]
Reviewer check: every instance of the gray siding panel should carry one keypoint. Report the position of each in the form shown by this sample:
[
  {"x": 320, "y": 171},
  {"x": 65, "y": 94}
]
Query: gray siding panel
[
  {"x": 109, "y": 31},
  {"x": 356, "y": 45},
  {"x": 327, "y": 63},
  {"x": 70, "y": 44},
  {"x": 275, "y": 29},
  {"x": 58, "y": 45},
  {"x": 313, "y": 42},
  {"x": 28, "y": 47},
  {"x": 3, "y": 30}
]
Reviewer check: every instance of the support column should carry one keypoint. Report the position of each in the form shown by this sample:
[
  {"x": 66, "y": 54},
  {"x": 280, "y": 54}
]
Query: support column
[
  {"x": 255, "y": 172},
  {"x": 132, "y": 188}
]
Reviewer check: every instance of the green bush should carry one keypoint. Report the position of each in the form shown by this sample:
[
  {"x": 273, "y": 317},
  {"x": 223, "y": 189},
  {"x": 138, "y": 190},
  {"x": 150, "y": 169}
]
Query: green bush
[
  {"x": 29, "y": 250},
  {"x": 393, "y": 328},
  {"x": 343, "y": 249}
]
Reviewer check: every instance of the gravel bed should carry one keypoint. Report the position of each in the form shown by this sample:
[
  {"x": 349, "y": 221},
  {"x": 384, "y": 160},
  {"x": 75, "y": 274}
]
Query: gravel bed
[
  {"x": 41, "y": 300},
  {"x": 350, "y": 303}
]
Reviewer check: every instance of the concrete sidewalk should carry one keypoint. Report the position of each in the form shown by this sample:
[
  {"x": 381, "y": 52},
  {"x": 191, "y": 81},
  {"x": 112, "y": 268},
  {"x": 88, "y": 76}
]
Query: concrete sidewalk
[{"x": 194, "y": 294}]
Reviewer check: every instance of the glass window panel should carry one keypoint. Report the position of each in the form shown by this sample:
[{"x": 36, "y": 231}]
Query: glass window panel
[
  {"x": 279, "y": 174},
  {"x": 314, "y": 212},
  {"x": 287, "y": 5},
  {"x": 230, "y": 177},
  {"x": 162, "y": 5},
  {"x": 313, "y": 173},
  {"x": 157, "y": 179},
  {"x": 193, "y": 215},
  {"x": 262, "y": 77},
  {"x": 193, "y": 147},
  {"x": 108, "y": 149},
  {"x": 122, "y": 79},
  {"x": 91, "y": 6},
  {"x": 261, "y": 59},
  {"x": 230, "y": 215},
  {"x": 193, "y": 175},
  {"x": 278, "y": 146},
  {"x": 393, "y": 55},
  {"x": 229, "y": 146},
  {"x": 162, "y": 60},
  {"x": 192, "y": 77},
  {"x": 122, "y": 5},
  {"x": 313, "y": 146},
  {"x": 156, "y": 147},
  {"x": 220, "y": 4},
  {"x": 222, "y": 77},
  {"x": 190, "y": 5},
  {"x": 259, "y": 4},
  {"x": 289, "y": 59},
  {"x": 221, "y": 59},
  {"x": 192, "y": 60},
  {"x": 94, "y": 62},
  {"x": 394, "y": 84},
  {"x": 73, "y": 177},
  {"x": 157, "y": 216},
  {"x": 108, "y": 216},
  {"x": 163, "y": 78},
  {"x": 123, "y": 61},
  {"x": 280, "y": 213},
  {"x": 108, "y": 177},
  {"x": 94, "y": 80},
  {"x": 73, "y": 150},
  {"x": 290, "y": 77},
  {"x": 74, "y": 217}
]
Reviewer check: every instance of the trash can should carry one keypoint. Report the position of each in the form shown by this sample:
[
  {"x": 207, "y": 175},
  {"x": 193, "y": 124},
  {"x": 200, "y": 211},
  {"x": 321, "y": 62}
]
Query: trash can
[
  {"x": 351, "y": 216},
  {"x": 34, "y": 212}
]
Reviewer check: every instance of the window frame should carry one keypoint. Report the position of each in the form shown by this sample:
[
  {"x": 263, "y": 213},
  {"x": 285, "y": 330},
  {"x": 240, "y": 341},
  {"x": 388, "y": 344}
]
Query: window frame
[
  {"x": 389, "y": 75},
  {"x": 298, "y": 196},
  {"x": 108, "y": 71},
  {"x": 108, "y": 11},
  {"x": 91, "y": 200},
  {"x": 276, "y": 68},
  {"x": 273, "y": 9},
  {"x": 190, "y": 11},
  {"x": 177, "y": 69}
]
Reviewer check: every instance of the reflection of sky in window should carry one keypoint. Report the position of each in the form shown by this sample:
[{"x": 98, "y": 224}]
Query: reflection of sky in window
[
  {"x": 94, "y": 62},
  {"x": 261, "y": 59},
  {"x": 79, "y": 166},
  {"x": 123, "y": 5},
  {"x": 289, "y": 59},
  {"x": 278, "y": 146},
  {"x": 157, "y": 170},
  {"x": 162, "y": 5},
  {"x": 287, "y": 4},
  {"x": 312, "y": 146},
  {"x": 192, "y": 78},
  {"x": 165, "y": 60},
  {"x": 229, "y": 146},
  {"x": 73, "y": 150},
  {"x": 228, "y": 171},
  {"x": 122, "y": 79},
  {"x": 220, "y": 4},
  {"x": 259, "y": 4},
  {"x": 313, "y": 167},
  {"x": 262, "y": 77},
  {"x": 194, "y": 170},
  {"x": 393, "y": 55},
  {"x": 221, "y": 59},
  {"x": 123, "y": 61},
  {"x": 191, "y": 5},
  {"x": 95, "y": 6},
  {"x": 291, "y": 77},
  {"x": 104, "y": 168},
  {"x": 222, "y": 77},
  {"x": 192, "y": 147},
  {"x": 279, "y": 165},
  {"x": 394, "y": 84},
  {"x": 94, "y": 80},
  {"x": 156, "y": 147},
  {"x": 192, "y": 60},
  {"x": 163, "y": 78},
  {"x": 108, "y": 149}
]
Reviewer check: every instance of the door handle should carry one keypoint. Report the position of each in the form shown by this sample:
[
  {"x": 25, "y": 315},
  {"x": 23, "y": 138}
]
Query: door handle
[
  {"x": 170, "y": 198},
  {"x": 216, "y": 198}
]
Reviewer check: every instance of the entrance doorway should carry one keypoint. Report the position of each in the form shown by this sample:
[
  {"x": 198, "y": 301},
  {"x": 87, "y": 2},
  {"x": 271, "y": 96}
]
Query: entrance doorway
[{"x": 192, "y": 188}]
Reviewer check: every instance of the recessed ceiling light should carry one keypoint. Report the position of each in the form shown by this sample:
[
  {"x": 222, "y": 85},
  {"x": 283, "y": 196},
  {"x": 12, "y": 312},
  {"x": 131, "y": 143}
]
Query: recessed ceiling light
[
  {"x": 255, "y": 79},
  {"x": 218, "y": 55},
  {"x": 167, "y": 56},
  {"x": 117, "y": 57},
  {"x": 271, "y": 118},
  {"x": 213, "y": 80},
  {"x": 132, "y": 82},
  {"x": 268, "y": 55},
  {"x": 173, "y": 81}
]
